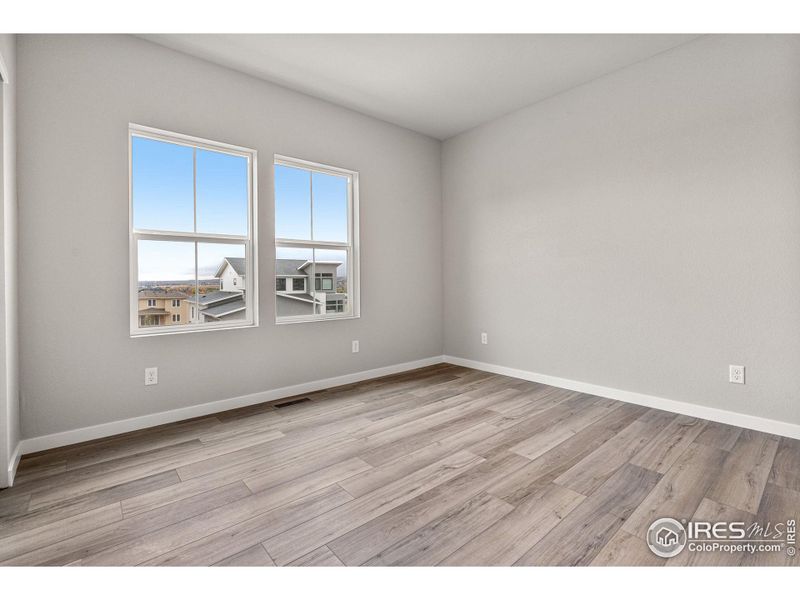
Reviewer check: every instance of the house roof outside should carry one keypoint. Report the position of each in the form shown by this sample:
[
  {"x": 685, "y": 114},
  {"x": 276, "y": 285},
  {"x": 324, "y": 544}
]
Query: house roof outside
[
  {"x": 300, "y": 297},
  {"x": 227, "y": 308},
  {"x": 152, "y": 311},
  {"x": 319, "y": 262},
  {"x": 216, "y": 297},
  {"x": 236, "y": 263},
  {"x": 160, "y": 293},
  {"x": 288, "y": 267}
]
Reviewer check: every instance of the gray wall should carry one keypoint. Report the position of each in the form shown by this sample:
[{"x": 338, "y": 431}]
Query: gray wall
[
  {"x": 79, "y": 366},
  {"x": 641, "y": 231},
  {"x": 9, "y": 337}
]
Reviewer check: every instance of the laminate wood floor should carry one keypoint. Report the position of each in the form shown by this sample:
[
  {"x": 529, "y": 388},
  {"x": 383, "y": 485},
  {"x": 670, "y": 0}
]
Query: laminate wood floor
[{"x": 439, "y": 466}]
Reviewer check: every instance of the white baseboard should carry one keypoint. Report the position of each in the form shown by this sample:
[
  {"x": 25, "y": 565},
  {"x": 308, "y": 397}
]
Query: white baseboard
[
  {"x": 790, "y": 430},
  {"x": 94, "y": 432},
  {"x": 85, "y": 434},
  {"x": 13, "y": 463}
]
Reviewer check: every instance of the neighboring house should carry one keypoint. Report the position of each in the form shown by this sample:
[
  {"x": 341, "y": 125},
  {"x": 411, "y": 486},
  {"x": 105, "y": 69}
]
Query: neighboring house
[
  {"x": 231, "y": 274},
  {"x": 297, "y": 295},
  {"x": 158, "y": 307},
  {"x": 227, "y": 304}
]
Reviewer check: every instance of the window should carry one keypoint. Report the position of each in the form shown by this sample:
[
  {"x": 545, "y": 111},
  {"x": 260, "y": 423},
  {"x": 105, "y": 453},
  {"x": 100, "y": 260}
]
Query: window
[
  {"x": 316, "y": 239},
  {"x": 280, "y": 284},
  {"x": 323, "y": 282},
  {"x": 334, "y": 306},
  {"x": 192, "y": 207}
]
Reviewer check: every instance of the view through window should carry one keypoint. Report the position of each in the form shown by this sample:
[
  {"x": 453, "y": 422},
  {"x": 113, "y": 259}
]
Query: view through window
[
  {"x": 191, "y": 233},
  {"x": 316, "y": 241}
]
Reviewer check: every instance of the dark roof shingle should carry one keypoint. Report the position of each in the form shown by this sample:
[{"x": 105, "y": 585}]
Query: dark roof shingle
[
  {"x": 224, "y": 309},
  {"x": 238, "y": 265},
  {"x": 215, "y": 297},
  {"x": 288, "y": 266}
]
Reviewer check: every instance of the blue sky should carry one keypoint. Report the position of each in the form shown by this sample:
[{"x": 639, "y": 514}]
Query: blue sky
[
  {"x": 174, "y": 261},
  {"x": 163, "y": 194},
  {"x": 293, "y": 190},
  {"x": 163, "y": 199}
]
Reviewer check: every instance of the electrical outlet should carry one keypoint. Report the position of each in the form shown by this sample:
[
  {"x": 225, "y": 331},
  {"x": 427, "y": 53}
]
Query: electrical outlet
[
  {"x": 355, "y": 346},
  {"x": 736, "y": 374},
  {"x": 151, "y": 376},
  {"x": 484, "y": 338}
]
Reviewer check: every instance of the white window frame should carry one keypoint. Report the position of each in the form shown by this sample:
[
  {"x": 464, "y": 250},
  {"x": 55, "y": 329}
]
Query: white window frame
[
  {"x": 351, "y": 247},
  {"x": 250, "y": 241}
]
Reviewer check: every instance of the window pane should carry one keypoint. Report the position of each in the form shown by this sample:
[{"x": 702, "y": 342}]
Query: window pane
[
  {"x": 221, "y": 193},
  {"x": 162, "y": 183},
  {"x": 330, "y": 274},
  {"x": 330, "y": 207},
  {"x": 166, "y": 275},
  {"x": 293, "y": 262},
  {"x": 292, "y": 203},
  {"x": 222, "y": 283}
]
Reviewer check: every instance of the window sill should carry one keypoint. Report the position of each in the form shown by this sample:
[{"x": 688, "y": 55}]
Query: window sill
[
  {"x": 295, "y": 320},
  {"x": 158, "y": 331}
]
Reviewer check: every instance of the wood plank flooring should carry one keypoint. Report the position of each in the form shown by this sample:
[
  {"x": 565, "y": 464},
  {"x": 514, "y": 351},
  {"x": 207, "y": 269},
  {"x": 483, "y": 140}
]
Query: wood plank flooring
[{"x": 438, "y": 466}]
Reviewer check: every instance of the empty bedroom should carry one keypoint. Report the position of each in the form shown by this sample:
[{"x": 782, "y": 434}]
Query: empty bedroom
[{"x": 327, "y": 297}]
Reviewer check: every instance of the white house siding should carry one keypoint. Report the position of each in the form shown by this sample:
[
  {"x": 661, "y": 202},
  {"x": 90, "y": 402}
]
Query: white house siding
[{"x": 230, "y": 281}]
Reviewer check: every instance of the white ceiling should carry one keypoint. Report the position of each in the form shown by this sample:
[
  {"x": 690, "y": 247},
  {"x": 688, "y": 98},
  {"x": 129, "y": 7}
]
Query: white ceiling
[{"x": 439, "y": 85}]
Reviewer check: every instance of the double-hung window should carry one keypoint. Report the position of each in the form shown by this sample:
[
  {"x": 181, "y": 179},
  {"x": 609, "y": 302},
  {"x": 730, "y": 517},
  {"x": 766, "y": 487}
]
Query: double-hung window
[
  {"x": 192, "y": 223},
  {"x": 316, "y": 241}
]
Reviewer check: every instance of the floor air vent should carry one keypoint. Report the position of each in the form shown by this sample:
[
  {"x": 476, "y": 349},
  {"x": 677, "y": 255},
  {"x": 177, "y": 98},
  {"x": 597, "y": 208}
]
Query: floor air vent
[{"x": 290, "y": 402}]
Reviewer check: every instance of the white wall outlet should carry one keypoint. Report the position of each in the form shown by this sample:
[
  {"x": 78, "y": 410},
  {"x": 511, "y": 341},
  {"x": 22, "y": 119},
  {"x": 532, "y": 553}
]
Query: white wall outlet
[
  {"x": 355, "y": 346},
  {"x": 151, "y": 376},
  {"x": 736, "y": 374},
  {"x": 484, "y": 338}
]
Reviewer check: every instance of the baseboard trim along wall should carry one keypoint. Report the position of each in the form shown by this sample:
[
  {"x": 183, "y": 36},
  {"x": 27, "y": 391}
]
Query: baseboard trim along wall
[
  {"x": 13, "y": 463},
  {"x": 94, "y": 432},
  {"x": 789, "y": 430}
]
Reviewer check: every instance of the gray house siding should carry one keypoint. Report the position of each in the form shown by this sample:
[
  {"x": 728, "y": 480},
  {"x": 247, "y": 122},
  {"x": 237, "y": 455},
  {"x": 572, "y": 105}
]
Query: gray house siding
[{"x": 293, "y": 308}]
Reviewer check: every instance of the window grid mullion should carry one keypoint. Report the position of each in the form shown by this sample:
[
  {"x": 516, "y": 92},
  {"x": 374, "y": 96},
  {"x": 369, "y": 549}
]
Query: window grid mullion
[
  {"x": 283, "y": 243},
  {"x": 201, "y": 238},
  {"x": 311, "y": 200},
  {"x": 196, "y": 243}
]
